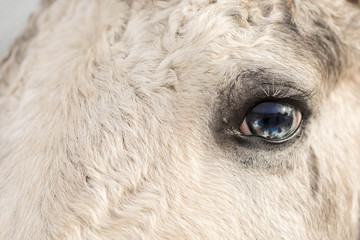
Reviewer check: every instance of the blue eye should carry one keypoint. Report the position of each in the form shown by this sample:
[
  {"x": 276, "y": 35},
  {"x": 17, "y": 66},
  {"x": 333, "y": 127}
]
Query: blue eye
[{"x": 275, "y": 122}]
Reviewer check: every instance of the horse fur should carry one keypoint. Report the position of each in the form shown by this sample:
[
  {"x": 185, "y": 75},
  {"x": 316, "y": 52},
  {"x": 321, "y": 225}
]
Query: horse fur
[{"x": 111, "y": 114}]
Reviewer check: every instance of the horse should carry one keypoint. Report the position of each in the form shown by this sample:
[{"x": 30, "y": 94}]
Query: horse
[{"x": 182, "y": 119}]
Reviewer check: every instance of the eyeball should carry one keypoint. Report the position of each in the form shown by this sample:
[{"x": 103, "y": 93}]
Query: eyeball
[{"x": 274, "y": 122}]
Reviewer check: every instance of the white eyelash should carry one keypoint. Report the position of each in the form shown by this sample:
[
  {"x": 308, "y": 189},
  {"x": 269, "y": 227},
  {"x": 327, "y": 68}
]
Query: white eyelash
[{"x": 278, "y": 91}]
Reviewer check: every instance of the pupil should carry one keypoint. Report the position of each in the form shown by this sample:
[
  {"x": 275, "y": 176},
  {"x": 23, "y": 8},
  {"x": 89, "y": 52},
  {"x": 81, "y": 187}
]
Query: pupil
[{"x": 272, "y": 120}]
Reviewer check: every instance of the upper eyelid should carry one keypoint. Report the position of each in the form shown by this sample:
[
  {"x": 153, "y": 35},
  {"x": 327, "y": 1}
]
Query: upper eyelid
[
  {"x": 272, "y": 76},
  {"x": 286, "y": 91},
  {"x": 274, "y": 83}
]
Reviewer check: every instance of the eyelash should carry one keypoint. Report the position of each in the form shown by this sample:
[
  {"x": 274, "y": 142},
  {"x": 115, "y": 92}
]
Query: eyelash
[{"x": 273, "y": 91}]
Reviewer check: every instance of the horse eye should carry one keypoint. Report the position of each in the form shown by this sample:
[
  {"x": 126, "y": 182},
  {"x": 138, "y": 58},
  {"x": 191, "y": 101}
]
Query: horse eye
[{"x": 275, "y": 122}]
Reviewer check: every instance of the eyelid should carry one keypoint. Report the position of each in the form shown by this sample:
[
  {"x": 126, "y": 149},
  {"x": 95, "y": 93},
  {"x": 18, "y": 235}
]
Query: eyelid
[
  {"x": 259, "y": 82},
  {"x": 285, "y": 91},
  {"x": 287, "y": 94}
]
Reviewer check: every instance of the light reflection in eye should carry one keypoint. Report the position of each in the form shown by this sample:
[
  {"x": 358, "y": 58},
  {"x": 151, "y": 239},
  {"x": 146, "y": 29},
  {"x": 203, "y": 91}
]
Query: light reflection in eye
[{"x": 272, "y": 121}]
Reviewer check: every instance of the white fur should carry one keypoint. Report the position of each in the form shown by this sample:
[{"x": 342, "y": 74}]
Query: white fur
[{"x": 106, "y": 112}]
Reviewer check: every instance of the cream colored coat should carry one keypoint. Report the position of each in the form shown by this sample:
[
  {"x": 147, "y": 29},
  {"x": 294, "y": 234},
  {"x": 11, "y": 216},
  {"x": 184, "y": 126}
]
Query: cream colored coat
[{"x": 112, "y": 115}]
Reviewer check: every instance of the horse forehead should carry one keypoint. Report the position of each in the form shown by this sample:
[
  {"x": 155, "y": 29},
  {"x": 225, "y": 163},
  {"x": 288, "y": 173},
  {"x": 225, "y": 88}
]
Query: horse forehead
[{"x": 302, "y": 26}]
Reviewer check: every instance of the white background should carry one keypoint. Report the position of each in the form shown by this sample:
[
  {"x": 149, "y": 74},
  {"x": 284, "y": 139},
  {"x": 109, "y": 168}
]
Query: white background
[{"x": 13, "y": 17}]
